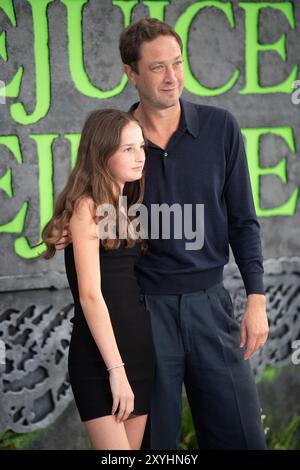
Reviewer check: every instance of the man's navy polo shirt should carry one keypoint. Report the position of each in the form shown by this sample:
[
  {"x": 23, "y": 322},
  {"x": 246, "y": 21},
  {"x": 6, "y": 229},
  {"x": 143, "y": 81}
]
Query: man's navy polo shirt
[{"x": 204, "y": 162}]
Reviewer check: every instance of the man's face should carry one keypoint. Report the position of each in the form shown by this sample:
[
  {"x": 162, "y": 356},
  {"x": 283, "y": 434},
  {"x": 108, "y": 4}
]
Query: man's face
[{"x": 160, "y": 79}]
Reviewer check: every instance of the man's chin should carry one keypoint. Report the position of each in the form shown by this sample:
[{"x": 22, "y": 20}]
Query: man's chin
[{"x": 170, "y": 101}]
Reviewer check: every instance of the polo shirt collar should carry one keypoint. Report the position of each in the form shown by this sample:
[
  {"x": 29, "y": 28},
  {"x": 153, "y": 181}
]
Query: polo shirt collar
[
  {"x": 189, "y": 117},
  {"x": 189, "y": 120}
]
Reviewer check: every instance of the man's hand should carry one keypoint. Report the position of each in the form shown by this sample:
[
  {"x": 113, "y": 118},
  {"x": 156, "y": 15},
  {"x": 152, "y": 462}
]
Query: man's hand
[
  {"x": 65, "y": 239},
  {"x": 254, "y": 326}
]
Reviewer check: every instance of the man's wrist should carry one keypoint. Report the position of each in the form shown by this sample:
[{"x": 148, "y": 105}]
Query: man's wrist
[{"x": 257, "y": 299}]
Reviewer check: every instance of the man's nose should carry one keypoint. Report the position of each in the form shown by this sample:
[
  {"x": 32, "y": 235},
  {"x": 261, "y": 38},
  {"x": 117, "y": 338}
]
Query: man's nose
[{"x": 170, "y": 75}]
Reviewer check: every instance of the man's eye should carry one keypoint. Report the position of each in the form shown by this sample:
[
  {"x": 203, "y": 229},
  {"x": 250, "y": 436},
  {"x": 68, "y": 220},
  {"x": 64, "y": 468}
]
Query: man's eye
[
  {"x": 179, "y": 62},
  {"x": 157, "y": 68},
  {"x": 128, "y": 149}
]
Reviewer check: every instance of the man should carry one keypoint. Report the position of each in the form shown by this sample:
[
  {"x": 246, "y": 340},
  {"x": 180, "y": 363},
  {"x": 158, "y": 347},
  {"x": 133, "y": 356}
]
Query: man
[{"x": 196, "y": 156}]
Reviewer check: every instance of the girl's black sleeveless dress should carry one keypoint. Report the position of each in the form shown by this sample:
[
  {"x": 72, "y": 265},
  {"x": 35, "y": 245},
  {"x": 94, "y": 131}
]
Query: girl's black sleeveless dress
[{"x": 132, "y": 328}]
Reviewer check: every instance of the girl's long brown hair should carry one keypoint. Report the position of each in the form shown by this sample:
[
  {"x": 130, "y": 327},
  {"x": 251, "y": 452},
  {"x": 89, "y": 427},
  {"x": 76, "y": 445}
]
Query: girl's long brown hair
[{"x": 100, "y": 138}]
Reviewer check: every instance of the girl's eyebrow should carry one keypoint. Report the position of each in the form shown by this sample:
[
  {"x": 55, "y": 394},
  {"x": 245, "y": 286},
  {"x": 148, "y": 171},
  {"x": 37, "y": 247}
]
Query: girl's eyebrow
[{"x": 124, "y": 145}]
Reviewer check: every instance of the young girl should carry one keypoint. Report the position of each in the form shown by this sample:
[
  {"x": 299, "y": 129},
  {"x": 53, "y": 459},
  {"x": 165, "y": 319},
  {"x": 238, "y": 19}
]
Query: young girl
[{"x": 111, "y": 360}]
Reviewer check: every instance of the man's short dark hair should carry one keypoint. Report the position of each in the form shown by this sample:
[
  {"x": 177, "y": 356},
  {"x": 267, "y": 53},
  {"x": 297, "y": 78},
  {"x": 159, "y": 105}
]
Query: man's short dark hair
[{"x": 135, "y": 35}]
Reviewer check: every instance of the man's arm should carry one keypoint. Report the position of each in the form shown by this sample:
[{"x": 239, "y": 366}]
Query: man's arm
[{"x": 244, "y": 238}]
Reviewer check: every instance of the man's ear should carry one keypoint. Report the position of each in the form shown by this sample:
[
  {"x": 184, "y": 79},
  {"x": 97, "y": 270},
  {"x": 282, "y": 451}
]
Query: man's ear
[{"x": 130, "y": 74}]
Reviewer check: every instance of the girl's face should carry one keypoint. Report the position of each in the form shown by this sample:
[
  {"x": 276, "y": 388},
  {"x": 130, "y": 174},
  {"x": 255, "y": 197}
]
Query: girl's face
[{"x": 127, "y": 163}]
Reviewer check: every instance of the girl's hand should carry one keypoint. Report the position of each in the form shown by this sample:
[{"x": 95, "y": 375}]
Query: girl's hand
[{"x": 123, "y": 397}]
